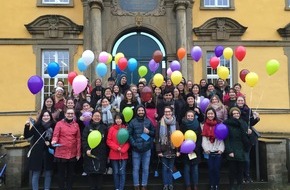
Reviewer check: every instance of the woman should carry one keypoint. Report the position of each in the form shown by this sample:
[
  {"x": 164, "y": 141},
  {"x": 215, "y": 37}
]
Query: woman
[
  {"x": 190, "y": 105},
  {"x": 190, "y": 171},
  {"x": 67, "y": 138},
  {"x": 196, "y": 93},
  {"x": 164, "y": 148},
  {"x": 96, "y": 95},
  {"x": 230, "y": 99},
  {"x": 236, "y": 144},
  {"x": 59, "y": 99},
  {"x": 179, "y": 100},
  {"x": 222, "y": 87},
  {"x": 39, "y": 157},
  {"x": 213, "y": 148},
  {"x": 118, "y": 97},
  {"x": 203, "y": 87},
  {"x": 220, "y": 109},
  {"x": 107, "y": 112},
  {"x": 129, "y": 101},
  {"x": 182, "y": 91},
  {"x": 134, "y": 89},
  {"x": 211, "y": 91},
  {"x": 118, "y": 154},
  {"x": 238, "y": 88},
  {"x": 95, "y": 158},
  {"x": 48, "y": 105}
]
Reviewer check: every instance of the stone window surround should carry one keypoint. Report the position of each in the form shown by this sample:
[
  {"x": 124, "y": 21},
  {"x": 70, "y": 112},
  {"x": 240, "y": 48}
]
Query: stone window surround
[
  {"x": 40, "y": 4},
  {"x": 232, "y": 6}
]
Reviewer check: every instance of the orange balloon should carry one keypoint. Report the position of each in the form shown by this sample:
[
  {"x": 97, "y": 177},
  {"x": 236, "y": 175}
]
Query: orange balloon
[
  {"x": 177, "y": 138},
  {"x": 181, "y": 52}
]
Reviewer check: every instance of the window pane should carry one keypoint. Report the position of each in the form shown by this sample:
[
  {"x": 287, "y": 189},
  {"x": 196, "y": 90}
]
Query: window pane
[
  {"x": 216, "y": 3},
  {"x": 55, "y": 1}
]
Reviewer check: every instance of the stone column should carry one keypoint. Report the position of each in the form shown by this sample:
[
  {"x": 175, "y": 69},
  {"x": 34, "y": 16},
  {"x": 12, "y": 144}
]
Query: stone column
[{"x": 96, "y": 7}]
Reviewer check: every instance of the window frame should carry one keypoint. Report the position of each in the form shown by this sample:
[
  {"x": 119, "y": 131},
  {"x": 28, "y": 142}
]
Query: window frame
[
  {"x": 40, "y": 3},
  {"x": 287, "y": 5},
  {"x": 230, "y": 7}
]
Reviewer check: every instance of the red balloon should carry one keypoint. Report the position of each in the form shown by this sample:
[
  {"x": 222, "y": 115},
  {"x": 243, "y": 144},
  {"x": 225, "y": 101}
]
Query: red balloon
[
  {"x": 122, "y": 63},
  {"x": 157, "y": 56},
  {"x": 214, "y": 62},
  {"x": 71, "y": 77},
  {"x": 243, "y": 74},
  {"x": 240, "y": 52},
  {"x": 146, "y": 94}
]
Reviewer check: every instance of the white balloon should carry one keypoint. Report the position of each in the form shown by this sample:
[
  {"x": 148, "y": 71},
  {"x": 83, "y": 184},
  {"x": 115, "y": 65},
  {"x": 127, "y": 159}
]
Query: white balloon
[
  {"x": 79, "y": 84},
  {"x": 88, "y": 57}
]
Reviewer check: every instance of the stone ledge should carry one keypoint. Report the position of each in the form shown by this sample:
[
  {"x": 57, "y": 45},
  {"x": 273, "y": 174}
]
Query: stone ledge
[
  {"x": 17, "y": 145},
  {"x": 270, "y": 141}
]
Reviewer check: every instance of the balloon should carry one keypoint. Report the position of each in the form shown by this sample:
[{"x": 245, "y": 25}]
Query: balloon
[
  {"x": 204, "y": 104},
  {"x": 214, "y": 62},
  {"x": 218, "y": 51},
  {"x": 71, "y": 77},
  {"x": 272, "y": 66},
  {"x": 221, "y": 131},
  {"x": 146, "y": 94},
  {"x": 87, "y": 117},
  {"x": 118, "y": 56},
  {"x": 175, "y": 66},
  {"x": 132, "y": 64},
  {"x": 110, "y": 58},
  {"x": 153, "y": 66},
  {"x": 169, "y": 72},
  {"x": 240, "y": 52},
  {"x": 142, "y": 71},
  {"x": 101, "y": 69},
  {"x": 190, "y": 135},
  {"x": 128, "y": 113},
  {"x": 158, "y": 79},
  {"x": 176, "y": 77},
  {"x": 94, "y": 139},
  {"x": 243, "y": 74},
  {"x": 53, "y": 69},
  {"x": 35, "y": 84},
  {"x": 122, "y": 136},
  {"x": 81, "y": 65},
  {"x": 103, "y": 57},
  {"x": 122, "y": 63},
  {"x": 196, "y": 53},
  {"x": 181, "y": 52},
  {"x": 228, "y": 53},
  {"x": 177, "y": 138},
  {"x": 118, "y": 70},
  {"x": 187, "y": 146},
  {"x": 223, "y": 72},
  {"x": 88, "y": 57},
  {"x": 251, "y": 79},
  {"x": 157, "y": 56},
  {"x": 80, "y": 82}
]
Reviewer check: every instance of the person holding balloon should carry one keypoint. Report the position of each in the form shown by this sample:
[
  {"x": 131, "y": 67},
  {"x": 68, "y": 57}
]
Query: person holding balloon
[
  {"x": 95, "y": 150},
  {"x": 128, "y": 101},
  {"x": 164, "y": 147},
  {"x": 118, "y": 153},
  {"x": 212, "y": 147},
  {"x": 192, "y": 130}
]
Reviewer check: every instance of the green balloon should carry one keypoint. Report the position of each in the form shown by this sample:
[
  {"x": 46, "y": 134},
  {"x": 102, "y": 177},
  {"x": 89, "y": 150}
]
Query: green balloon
[
  {"x": 122, "y": 135},
  {"x": 142, "y": 71},
  {"x": 272, "y": 66},
  {"x": 128, "y": 113},
  {"x": 94, "y": 139}
]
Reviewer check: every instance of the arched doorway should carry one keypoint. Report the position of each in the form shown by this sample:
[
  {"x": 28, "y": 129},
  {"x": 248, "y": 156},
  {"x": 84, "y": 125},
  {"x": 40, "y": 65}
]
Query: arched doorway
[{"x": 141, "y": 46}]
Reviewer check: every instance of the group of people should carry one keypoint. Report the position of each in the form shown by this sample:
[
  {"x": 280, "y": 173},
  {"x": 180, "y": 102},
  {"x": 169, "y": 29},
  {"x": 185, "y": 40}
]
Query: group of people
[{"x": 59, "y": 134}]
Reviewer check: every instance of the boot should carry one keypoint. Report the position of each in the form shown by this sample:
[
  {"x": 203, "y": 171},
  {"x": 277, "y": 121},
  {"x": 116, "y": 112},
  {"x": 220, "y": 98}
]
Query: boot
[
  {"x": 188, "y": 188},
  {"x": 136, "y": 188},
  {"x": 144, "y": 188}
]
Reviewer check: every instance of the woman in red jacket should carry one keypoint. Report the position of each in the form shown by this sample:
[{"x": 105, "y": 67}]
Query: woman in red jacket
[{"x": 118, "y": 151}]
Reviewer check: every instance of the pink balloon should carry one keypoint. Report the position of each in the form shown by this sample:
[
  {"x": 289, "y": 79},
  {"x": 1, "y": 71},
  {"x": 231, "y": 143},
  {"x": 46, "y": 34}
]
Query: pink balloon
[
  {"x": 175, "y": 66},
  {"x": 103, "y": 57},
  {"x": 169, "y": 72},
  {"x": 79, "y": 84}
]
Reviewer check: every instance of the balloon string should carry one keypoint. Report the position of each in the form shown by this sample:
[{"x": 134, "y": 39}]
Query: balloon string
[
  {"x": 261, "y": 97},
  {"x": 251, "y": 97}
]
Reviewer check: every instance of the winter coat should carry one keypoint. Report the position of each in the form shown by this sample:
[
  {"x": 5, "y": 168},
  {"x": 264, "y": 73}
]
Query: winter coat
[
  {"x": 97, "y": 163},
  {"x": 113, "y": 144}
]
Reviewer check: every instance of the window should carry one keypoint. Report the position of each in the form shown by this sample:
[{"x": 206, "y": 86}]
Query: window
[
  {"x": 287, "y": 5},
  {"x": 55, "y": 1},
  {"x": 212, "y": 75},
  {"x": 217, "y": 4},
  {"x": 62, "y": 58}
]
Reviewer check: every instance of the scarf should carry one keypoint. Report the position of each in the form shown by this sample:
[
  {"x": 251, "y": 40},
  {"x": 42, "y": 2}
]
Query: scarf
[
  {"x": 191, "y": 124},
  {"x": 107, "y": 115},
  {"x": 163, "y": 131},
  {"x": 208, "y": 129},
  {"x": 48, "y": 129}
]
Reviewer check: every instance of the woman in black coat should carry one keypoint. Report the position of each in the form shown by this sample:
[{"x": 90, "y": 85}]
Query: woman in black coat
[
  {"x": 40, "y": 155},
  {"x": 95, "y": 158}
]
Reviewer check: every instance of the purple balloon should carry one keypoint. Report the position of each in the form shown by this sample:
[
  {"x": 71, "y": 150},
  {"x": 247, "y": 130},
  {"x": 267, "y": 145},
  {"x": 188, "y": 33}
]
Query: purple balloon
[
  {"x": 218, "y": 51},
  {"x": 196, "y": 53},
  {"x": 221, "y": 131},
  {"x": 175, "y": 66},
  {"x": 153, "y": 66},
  {"x": 35, "y": 84},
  {"x": 204, "y": 104},
  {"x": 87, "y": 117},
  {"x": 187, "y": 146}
]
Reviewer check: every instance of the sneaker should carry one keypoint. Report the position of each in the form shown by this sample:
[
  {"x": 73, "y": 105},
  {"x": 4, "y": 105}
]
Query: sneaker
[
  {"x": 165, "y": 187},
  {"x": 170, "y": 187},
  {"x": 84, "y": 174},
  {"x": 109, "y": 171}
]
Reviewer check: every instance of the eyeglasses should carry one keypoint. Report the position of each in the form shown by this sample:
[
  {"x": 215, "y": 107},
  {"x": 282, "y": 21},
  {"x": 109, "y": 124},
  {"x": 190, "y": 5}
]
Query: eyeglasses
[
  {"x": 167, "y": 111},
  {"x": 69, "y": 113}
]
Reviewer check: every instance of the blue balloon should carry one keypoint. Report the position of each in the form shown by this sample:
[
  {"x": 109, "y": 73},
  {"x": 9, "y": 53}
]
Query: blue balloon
[
  {"x": 53, "y": 69},
  {"x": 81, "y": 65},
  {"x": 118, "y": 70},
  {"x": 101, "y": 69},
  {"x": 132, "y": 64}
]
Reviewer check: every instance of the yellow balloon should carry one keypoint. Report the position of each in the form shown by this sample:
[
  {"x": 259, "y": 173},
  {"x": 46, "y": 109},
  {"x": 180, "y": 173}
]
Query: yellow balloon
[
  {"x": 223, "y": 72},
  {"x": 118, "y": 56},
  {"x": 176, "y": 77},
  {"x": 110, "y": 58},
  {"x": 142, "y": 71},
  {"x": 228, "y": 53},
  {"x": 252, "y": 79},
  {"x": 158, "y": 79},
  {"x": 190, "y": 135},
  {"x": 177, "y": 138}
]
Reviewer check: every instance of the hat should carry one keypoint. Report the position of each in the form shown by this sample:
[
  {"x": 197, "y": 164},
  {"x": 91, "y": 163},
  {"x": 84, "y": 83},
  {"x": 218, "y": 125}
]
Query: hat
[
  {"x": 234, "y": 109},
  {"x": 59, "y": 88},
  {"x": 123, "y": 75},
  {"x": 190, "y": 95}
]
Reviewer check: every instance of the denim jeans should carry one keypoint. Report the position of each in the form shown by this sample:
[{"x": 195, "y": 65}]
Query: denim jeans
[
  {"x": 137, "y": 159},
  {"x": 35, "y": 179},
  {"x": 247, "y": 165},
  {"x": 190, "y": 173},
  {"x": 214, "y": 164},
  {"x": 119, "y": 173},
  {"x": 167, "y": 170}
]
